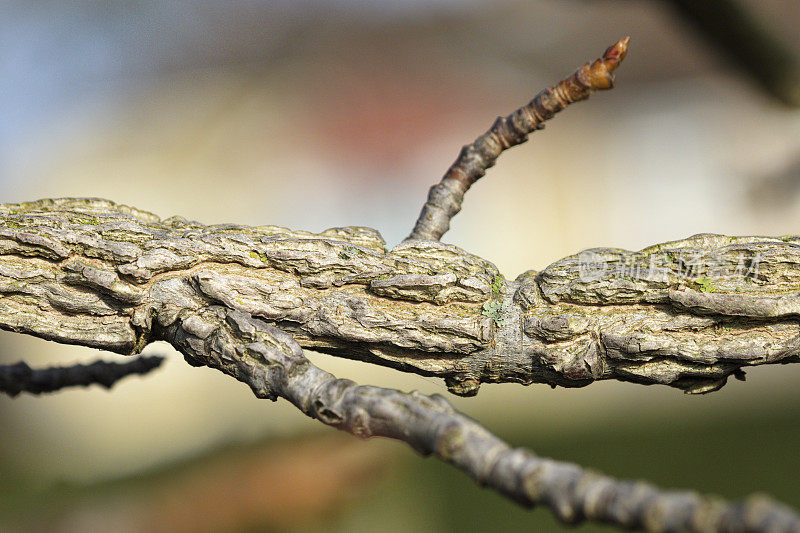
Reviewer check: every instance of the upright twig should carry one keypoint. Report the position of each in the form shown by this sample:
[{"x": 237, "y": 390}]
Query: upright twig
[{"x": 444, "y": 198}]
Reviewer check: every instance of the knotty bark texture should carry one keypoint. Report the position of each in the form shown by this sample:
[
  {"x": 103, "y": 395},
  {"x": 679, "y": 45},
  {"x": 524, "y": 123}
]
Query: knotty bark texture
[
  {"x": 91, "y": 272},
  {"x": 248, "y": 300}
]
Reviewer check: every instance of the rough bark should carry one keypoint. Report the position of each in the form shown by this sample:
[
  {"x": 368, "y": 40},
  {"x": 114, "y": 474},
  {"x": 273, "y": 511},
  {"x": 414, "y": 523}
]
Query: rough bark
[
  {"x": 248, "y": 300},
  {"x": 688, "y": 314}
]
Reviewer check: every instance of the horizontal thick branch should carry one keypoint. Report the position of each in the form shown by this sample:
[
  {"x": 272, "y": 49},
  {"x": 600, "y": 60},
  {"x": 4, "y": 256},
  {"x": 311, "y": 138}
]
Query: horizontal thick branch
[
  {"x": 688, "y": 314},
  {"x": 247, "y": 300}
]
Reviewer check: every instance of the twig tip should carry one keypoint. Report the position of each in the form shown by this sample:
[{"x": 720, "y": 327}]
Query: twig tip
[{"x": 600, "y": 74}]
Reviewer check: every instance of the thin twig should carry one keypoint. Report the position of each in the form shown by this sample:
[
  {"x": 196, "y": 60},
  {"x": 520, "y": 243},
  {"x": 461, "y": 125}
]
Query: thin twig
[
  {"x": 20, "y": 377},
  {"x": 445, "y": 198}
]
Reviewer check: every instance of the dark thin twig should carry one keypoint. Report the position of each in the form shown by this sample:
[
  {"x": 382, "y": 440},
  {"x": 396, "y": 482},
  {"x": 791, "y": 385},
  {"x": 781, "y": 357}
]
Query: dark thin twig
[
  {"x": 20, "y": 377},
  {"x": 444, "y": 198}
]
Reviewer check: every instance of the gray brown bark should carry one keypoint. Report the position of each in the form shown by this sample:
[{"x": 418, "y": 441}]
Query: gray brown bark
[{"x": 688, "y": 314}]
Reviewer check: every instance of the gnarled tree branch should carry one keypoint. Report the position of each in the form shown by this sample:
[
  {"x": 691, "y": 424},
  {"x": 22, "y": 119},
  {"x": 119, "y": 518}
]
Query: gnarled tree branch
[{"x": 248, "y": 300}]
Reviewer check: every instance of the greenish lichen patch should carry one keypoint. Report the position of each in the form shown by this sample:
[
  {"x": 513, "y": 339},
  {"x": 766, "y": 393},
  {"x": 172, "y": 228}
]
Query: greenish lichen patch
[
  {"x": 494, "y": 310},
  {"x": 349, "y": 252},
  {"x": 82, "y": 219},
  {"x": 705, "y": 285},
  {"x": 132, "y": 237},
  {"x": 259, "y": 255},
  {"x": 497, "y": 285}
]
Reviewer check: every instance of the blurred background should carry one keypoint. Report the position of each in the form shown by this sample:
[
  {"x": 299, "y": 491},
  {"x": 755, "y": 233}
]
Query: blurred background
[{"x": 313, "y": 114}]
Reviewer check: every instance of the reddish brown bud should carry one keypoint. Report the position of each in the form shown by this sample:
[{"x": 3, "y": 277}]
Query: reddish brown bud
[
  {"x": 617, "y": 52},
  {"x": 599, "y": 74}
]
